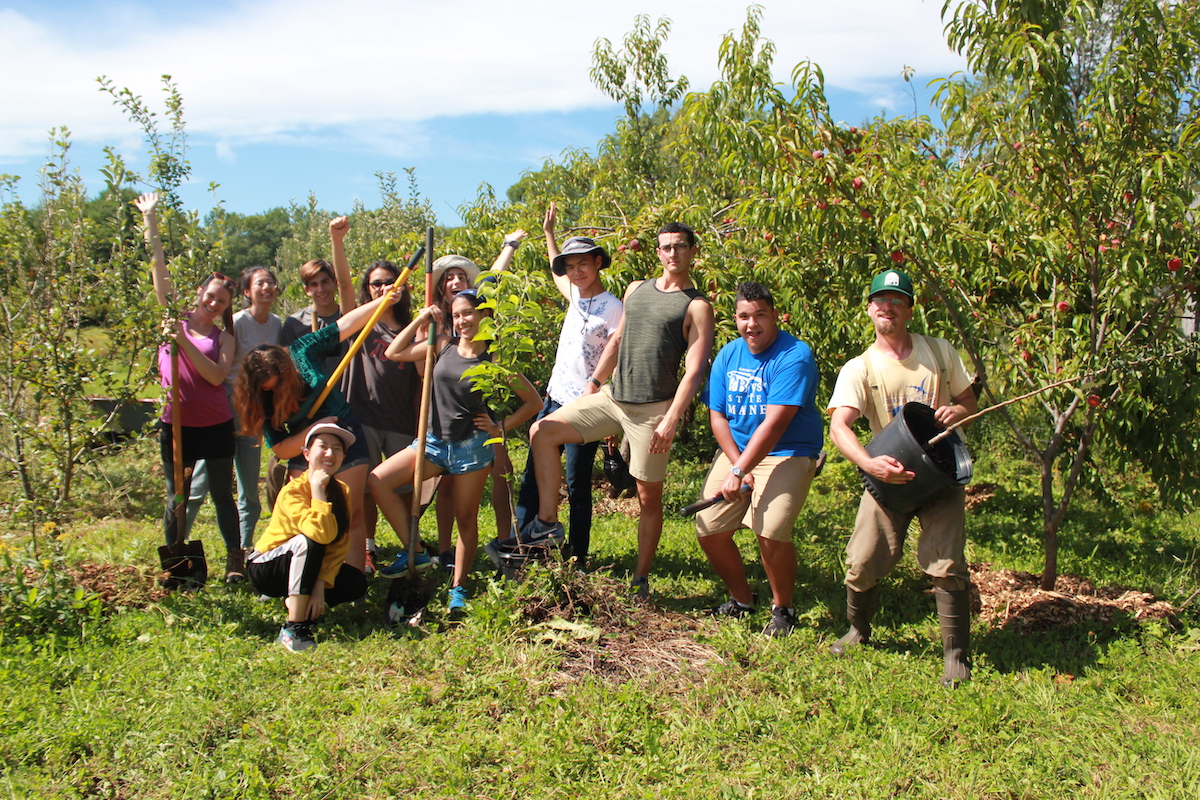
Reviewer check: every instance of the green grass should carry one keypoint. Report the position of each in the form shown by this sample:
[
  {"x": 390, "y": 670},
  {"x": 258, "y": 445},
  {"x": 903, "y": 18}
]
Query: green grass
[{"x": 191, "y": 697}]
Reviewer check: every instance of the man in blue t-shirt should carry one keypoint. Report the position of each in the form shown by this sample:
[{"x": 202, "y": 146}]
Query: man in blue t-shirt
[{"x": 761, "y": 397}]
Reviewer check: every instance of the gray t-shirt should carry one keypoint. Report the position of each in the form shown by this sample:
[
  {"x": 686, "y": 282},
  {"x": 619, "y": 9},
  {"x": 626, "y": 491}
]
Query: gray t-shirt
[{"x": 249, "y": 333}]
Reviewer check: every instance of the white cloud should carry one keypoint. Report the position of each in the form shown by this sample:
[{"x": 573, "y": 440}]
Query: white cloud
[{"x": 367, "y": 73}]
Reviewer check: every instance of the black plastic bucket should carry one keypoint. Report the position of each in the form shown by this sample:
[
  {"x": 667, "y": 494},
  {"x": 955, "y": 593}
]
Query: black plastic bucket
[{"x": 939, "y": 469}]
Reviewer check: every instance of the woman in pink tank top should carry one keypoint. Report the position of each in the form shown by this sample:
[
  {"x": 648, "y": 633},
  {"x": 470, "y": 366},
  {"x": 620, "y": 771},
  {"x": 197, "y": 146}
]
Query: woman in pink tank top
[{"x": 205, "y": 356}]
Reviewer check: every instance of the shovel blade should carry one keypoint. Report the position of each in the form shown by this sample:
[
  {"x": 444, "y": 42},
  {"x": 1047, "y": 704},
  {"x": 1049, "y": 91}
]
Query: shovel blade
[{"x": 185, "y": 566}]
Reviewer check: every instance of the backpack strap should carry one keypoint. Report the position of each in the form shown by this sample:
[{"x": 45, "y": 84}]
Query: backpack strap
[{"x": 875, "y": 390}]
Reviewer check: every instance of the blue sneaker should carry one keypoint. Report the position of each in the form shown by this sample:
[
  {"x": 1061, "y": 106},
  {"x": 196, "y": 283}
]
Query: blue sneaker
[
  {"x": 542, "y": 533},
  {"x": 399, "y": 567},
  {"x": 297, "y": 636},
  {"x": 458, "y": 598}
]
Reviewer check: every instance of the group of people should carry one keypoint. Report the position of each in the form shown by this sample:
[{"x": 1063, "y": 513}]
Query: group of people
[{"x": 624, "y": 367}]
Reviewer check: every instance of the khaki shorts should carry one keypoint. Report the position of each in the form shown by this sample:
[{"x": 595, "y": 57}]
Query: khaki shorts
[
  {"x": 780, "y": 489},
  {"x": 598, "y": 416}
]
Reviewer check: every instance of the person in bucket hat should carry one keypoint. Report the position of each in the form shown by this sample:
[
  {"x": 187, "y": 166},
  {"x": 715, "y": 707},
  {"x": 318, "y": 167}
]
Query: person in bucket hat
[
  {"x": 592, "y": 316},
  {"x": 899, "y": 368}
]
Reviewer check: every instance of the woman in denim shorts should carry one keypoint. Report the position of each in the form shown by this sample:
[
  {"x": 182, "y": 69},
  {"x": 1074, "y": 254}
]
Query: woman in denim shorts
[{"x": 455, "y": 445}]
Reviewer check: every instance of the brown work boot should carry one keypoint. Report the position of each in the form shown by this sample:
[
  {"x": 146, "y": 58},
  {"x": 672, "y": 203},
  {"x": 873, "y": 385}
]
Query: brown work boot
[
  {"x": 235, "y": 566},
  {"x": 860, "y": 608},
  {"x": 954, "y": 619}
]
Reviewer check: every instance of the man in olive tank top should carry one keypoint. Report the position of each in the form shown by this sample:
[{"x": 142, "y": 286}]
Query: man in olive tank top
[{"x": 666, "y": 321}]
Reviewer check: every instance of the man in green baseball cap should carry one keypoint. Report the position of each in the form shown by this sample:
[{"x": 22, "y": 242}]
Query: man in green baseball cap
[{"x": 899, "y": 368}]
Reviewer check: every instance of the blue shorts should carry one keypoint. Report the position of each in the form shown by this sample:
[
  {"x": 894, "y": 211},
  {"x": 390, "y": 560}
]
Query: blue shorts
[{"x": 456, "y": 458}]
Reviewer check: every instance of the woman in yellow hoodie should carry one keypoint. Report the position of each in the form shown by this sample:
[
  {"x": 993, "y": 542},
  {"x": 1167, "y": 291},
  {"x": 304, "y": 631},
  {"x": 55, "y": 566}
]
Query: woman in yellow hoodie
[{"x": 300, "y": 555}]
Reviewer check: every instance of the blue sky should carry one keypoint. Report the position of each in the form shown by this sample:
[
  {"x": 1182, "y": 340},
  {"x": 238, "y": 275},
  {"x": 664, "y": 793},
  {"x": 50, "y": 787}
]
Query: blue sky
[{"x": 287, "y": 97}]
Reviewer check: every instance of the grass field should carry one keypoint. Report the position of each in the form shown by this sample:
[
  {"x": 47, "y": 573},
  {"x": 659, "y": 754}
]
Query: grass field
[{"x": 190, "y": 696}]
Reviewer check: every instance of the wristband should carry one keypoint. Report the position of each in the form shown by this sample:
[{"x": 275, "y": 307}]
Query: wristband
[
  {"x": 513, "y": 243},
  {"x": 593, "y": 381}
]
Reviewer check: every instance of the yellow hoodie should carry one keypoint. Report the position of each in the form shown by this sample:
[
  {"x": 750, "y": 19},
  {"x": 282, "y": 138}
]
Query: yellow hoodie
[{"x": 296, "y": 512}]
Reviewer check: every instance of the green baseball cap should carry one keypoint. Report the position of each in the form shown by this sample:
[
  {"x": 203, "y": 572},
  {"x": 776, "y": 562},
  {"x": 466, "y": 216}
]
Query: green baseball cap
[{"x": 891, "y": 281}]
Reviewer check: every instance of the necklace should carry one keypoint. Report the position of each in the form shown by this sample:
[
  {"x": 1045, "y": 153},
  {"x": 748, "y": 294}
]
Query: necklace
[{"x": 586, "y": 314}]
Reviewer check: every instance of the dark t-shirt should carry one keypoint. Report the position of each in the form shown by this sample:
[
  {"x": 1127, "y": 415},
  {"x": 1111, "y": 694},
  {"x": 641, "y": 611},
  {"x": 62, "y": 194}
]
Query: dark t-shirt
[
  {"x": 383, "y": 393},
  {"x": 456, "y": 403}
]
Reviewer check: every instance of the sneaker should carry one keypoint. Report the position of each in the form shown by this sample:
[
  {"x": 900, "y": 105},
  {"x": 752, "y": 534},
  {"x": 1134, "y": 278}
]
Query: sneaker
[
  {"x": 458, "y": 599},
  {"x": 540, "y": 532},
  {"x": 399, "y": 568},
  {"x": 296, "y": 636},
  {"x": 369, "y": 565},
  {"x": 640, "y": 587},
  {"x": 235, "y": 566},
  {"x": 447, "y": 560},
  {"x": 783, "y": 620},
  {"x": 733, "y": 609}
]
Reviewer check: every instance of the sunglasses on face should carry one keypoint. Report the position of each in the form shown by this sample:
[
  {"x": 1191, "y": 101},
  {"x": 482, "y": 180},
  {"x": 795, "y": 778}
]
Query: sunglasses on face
[
  {"x": 380, "y": 284},
  {"x": 229, "y": 283}
]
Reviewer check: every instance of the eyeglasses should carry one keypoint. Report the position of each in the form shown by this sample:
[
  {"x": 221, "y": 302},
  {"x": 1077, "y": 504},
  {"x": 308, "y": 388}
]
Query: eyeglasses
[
  {"x": 678, "y": 248},
  {"x": 883, "y": 301}
]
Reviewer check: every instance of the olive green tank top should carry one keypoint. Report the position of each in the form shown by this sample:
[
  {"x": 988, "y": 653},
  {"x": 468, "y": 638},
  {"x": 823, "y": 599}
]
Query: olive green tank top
[{"x": 652, "y": 344}]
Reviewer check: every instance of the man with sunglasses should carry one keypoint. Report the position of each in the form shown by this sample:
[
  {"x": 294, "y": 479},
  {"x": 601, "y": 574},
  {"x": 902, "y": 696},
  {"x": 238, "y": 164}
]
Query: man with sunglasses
[
  {"x": 666, "y": 321},
  {"x": 899, "y": 368}
]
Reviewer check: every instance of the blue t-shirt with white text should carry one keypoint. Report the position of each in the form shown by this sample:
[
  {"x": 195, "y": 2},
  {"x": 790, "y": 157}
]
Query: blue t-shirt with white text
[{"x": 742, "y": 384}]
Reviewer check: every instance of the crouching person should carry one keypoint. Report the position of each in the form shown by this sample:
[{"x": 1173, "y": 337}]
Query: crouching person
[
  {"x": 761, "y": 397},
  {"x": 300, "y": 555}
]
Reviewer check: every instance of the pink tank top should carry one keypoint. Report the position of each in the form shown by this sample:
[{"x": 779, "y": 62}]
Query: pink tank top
[{"x": 203, "y": 404}]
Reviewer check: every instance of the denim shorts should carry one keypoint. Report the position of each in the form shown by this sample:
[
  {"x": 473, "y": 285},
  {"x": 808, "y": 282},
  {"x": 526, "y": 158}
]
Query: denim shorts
[{"x": 457, "y": 458}]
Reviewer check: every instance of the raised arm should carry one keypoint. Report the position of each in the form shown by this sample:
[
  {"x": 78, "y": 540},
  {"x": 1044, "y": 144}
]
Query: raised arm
[
  {"x": 163, "y": 290},
  {"x": 338, "y": 227},
  {"x": 403, "y": 348},
  {"x": 511, "y": 242},
  {"x": 700, "y": 325},
  {"x": 561, "y": 281}
]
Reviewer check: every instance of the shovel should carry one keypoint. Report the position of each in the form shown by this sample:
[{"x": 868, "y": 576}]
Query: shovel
[{"x": 184, "y": 562}]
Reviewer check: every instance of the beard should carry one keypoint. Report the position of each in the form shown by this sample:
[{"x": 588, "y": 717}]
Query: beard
[{"x": 886, "y": 327}]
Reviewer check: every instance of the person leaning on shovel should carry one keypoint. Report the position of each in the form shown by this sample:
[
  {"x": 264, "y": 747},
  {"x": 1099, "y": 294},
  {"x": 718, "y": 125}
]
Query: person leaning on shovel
[{"x": 899, "y": 368}]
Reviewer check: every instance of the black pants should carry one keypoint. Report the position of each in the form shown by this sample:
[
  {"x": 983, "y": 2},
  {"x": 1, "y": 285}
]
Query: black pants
[{"x": 293, "y": 567}]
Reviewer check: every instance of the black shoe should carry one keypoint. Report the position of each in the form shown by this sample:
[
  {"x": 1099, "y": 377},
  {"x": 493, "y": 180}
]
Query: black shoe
[
  {"x": 733, "y": 609},
  {"x": 782, "y": 622}
]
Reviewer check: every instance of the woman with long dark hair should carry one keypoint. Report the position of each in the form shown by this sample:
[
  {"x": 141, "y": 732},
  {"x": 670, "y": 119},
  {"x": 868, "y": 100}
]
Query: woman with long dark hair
[
  {"x": 205, "y": 356},
  {"x": 458, "y": 434}
]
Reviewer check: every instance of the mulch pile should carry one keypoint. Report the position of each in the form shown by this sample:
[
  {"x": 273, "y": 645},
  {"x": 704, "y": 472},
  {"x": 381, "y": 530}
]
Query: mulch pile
[
  {"x": 1015, "y": 601},
  {"x": 606, "y": 635},
  {"x": 118, "y": 585}
]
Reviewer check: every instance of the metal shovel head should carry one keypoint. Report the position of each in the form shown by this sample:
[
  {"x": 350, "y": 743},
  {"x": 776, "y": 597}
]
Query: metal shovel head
[{"x": 185, "y": 565}]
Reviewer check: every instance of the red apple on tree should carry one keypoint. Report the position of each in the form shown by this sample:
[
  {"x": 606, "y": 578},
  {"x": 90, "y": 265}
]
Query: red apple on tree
[
  {"x": 1063, "y": 305},
  {"x": 897, "y": 256},
  {"x": 1094, "y": 400},
  {"x": 1174, "y": 264},
  {"x": 635, "y": 245},
  {"x": 818, "y": 153},
  {"x": 857, "y": 183}
]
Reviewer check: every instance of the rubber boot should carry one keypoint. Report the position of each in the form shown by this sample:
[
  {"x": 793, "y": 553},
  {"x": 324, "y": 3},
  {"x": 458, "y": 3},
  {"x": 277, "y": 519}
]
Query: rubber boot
[
  {"x": 954, "y": 618},
  {"x": 860, "y": 608}
]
